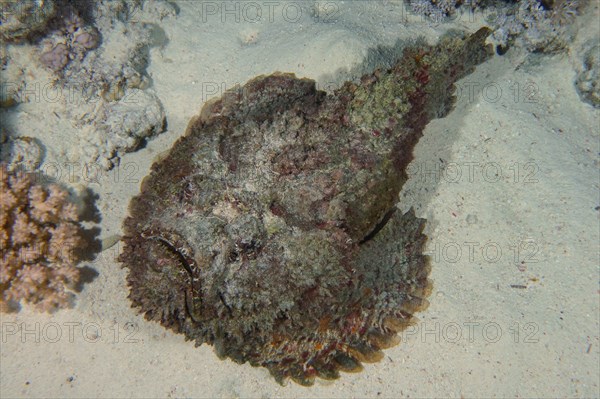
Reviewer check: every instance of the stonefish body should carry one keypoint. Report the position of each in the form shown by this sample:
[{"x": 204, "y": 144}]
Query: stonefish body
[{"x": 270, "y": 230}]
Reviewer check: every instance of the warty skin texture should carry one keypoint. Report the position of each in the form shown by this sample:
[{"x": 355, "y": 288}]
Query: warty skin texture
[{"x": 270, "y": 230}]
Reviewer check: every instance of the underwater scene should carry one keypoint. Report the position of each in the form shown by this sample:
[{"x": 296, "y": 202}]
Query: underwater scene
[{"x": 285, "y": 199}]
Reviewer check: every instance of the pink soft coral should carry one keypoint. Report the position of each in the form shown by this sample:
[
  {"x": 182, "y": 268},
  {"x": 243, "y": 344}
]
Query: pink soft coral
[{"x": 39, "y": 238}]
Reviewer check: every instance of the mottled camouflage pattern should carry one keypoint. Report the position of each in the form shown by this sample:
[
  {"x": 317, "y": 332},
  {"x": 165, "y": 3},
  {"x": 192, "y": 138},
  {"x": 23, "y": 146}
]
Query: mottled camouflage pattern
[{"x": 270, "y": 230}]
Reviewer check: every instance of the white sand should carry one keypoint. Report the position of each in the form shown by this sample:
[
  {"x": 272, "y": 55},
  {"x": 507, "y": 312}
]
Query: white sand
[{"x": 513, "y": 231}]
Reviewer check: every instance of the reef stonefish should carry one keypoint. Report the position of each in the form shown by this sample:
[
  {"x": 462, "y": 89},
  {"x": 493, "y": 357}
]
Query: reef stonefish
[{"x": 270, "y": 230}]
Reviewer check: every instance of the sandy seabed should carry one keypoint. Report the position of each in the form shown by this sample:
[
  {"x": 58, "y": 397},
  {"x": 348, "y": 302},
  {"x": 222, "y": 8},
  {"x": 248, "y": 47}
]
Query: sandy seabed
[{"x": 508, "y": 181}]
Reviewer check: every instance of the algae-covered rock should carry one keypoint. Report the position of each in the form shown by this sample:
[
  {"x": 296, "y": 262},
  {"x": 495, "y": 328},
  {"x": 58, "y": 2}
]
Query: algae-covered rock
[
  {"x": 587, "y": 81},
  {"x": 270, "y": 230},
  {"x": 20, "y": 19}
]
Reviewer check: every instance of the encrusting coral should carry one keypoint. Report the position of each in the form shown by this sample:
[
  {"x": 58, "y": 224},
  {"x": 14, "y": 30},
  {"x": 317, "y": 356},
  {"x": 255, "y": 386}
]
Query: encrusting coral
[
  {"x": 539, "y": 25},
  {"x": 39, "y": 239},
  {"x": 271, "y": 230},
  {"x": 70, "y": 39}
]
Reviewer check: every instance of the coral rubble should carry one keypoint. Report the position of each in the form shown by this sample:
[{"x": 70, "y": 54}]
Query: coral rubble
[
  {"x": 538, "y": 25},
  {"x": 19, "y": 152},
  {"x": 39, "y": 240},
  {"x": 271, "y": 231},
  {"x": 93, "y": 55}
]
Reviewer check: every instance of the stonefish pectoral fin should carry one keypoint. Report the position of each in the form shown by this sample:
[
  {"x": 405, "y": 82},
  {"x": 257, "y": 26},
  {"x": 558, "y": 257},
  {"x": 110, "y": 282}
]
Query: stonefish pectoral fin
[{"x": 270, "y": 229}]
